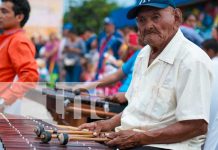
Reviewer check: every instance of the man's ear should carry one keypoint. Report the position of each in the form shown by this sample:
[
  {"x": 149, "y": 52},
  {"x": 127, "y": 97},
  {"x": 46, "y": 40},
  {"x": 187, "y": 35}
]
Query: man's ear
[
  {"x": 178, "y": 16},
  {"x": 20, "y": 17}
]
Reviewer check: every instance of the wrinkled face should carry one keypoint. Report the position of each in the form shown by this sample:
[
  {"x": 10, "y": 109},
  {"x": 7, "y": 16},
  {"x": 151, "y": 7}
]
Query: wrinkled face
[
  {"x": 156, "y": 26},
  {"x": 8, "y": 19}
]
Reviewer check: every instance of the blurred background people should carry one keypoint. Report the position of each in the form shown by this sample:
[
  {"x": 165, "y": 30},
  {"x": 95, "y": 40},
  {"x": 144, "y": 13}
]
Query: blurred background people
[
  {"x": 109, "y": 42},
  {"x": 188, "y": 28},
  {"x": 51, "y": 56},
  {"x": 211, "y": 48},
  {"x": 75, "y": 49},
  {"x": 215, "y": 33}
]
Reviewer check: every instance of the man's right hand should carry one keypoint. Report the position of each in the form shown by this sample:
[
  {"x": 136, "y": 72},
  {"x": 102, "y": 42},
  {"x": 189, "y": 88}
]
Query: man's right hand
[
  {"x": 97, "y": 127},
  {"x": 117, "y": 98}
]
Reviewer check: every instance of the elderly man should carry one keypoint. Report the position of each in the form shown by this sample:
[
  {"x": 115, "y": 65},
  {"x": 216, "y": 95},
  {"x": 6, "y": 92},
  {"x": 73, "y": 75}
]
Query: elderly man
[{"x": 169, "y": 95}]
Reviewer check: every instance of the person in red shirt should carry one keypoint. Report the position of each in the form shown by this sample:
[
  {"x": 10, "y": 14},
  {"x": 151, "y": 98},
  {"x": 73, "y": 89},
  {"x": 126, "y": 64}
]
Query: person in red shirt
[{"x": 18, "y": 66}]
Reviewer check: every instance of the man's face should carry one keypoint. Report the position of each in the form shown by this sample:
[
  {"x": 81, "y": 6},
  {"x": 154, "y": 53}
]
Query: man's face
[
  {"x": 191, "y": 21},
  {"x": 8, "y": 20},
  {"x": 109, "y": 28},
  {"x": 156, "y": 25}
]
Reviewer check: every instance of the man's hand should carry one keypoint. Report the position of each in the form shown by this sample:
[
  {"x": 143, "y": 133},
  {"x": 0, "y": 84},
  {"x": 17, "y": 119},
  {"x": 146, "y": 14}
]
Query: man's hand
[
  {"x": 117, "y": 98},
  {"x": 97, "y": 127},
  {"x": 124, "y": 139}
]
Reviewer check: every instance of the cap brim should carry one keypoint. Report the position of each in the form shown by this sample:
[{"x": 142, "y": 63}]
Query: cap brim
[{"x": 134, "y": 11}]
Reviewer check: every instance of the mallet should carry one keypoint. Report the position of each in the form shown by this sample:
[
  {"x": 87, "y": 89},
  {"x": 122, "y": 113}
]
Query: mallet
[
  {"x": 65, "y": 138},
  {"x": 47, "y": 136},
  {"x": 40, "y": 129}
]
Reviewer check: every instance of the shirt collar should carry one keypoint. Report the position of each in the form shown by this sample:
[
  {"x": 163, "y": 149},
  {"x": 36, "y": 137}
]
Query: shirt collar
[
  {"x": 12, "y": 31},
  {"x": 7, "y": 33},
  {"x": 170, "y": 51}
]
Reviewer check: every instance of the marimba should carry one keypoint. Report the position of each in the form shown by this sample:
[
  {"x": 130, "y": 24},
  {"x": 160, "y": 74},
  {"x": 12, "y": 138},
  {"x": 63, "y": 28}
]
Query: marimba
[
  {"x": 102, "y": 108},
  {"x": 16, "y": 133}
]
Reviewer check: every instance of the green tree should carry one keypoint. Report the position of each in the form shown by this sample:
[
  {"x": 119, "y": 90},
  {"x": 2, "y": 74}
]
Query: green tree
[{"x": 89, "y": 14}]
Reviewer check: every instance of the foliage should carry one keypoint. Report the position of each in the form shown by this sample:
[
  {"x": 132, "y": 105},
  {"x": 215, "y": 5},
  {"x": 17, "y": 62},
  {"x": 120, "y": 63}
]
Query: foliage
[{"x": 89, "y": 15}]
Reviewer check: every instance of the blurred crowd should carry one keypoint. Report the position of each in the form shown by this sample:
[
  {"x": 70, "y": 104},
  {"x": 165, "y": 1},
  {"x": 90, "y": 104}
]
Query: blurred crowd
[
  {"x": 89, "y": 57},
  {"x": 86, "y": 57}
]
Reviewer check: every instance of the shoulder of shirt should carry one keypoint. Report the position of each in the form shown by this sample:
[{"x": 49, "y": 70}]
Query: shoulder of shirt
[
  {"x": 21, "y": 37},
  {"x": 189, "y": 54},
  {"x": 19, "y": 40},
  {"x": 188, "y": 48}
]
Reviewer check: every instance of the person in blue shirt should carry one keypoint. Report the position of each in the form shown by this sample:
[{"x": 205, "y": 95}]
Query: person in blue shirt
[
  {"x": 108, "y": 40},
  {"x": 124, "y": 73},
  {"x": 127, "y": 69},
  {"x": 188, "y": 29},
  {"x": 90, "y": 40}
]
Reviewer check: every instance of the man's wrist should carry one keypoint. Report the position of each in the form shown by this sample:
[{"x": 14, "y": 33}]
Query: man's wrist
[
  {"x": 114, "y": 122},
  {"x": 148, "y": 137},
  {"x": 106, "y": 125},
  {"x": 143, "y": 139}
]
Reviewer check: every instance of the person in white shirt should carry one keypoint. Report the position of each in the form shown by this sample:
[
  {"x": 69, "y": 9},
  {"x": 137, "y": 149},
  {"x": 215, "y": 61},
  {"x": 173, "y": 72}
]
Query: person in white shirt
[
  {"x": 211, "y": 48},
  {"x": 169, "y": 95}
]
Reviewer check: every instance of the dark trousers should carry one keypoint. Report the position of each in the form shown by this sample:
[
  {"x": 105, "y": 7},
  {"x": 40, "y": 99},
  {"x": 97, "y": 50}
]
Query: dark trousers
[{"x": 73, "y": 73}]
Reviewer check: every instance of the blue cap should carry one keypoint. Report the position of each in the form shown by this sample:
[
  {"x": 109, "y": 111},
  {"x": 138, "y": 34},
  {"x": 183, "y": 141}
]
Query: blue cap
[
  {"x": 108, "y": 20},
  {"x": 152, "y": 3},
  {"x": 68, "y": 26}
]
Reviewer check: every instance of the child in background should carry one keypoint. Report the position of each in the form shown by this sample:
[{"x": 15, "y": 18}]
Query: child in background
[{"x": 43, "y": 71}]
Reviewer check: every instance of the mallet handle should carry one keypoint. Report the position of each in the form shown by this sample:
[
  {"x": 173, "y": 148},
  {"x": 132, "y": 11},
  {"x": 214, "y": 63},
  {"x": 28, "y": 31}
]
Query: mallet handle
[
  {"x": 75, "y": 138},
  {"x": 67, "y": 127},
  {"x": 72, "y": 132}
]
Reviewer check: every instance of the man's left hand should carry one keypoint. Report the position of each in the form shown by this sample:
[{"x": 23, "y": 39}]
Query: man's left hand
[{"x": 124, "y": 139}]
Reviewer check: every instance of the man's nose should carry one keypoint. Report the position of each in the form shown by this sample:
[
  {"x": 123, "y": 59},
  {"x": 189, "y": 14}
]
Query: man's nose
[{"x": 148, "y": 25}]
